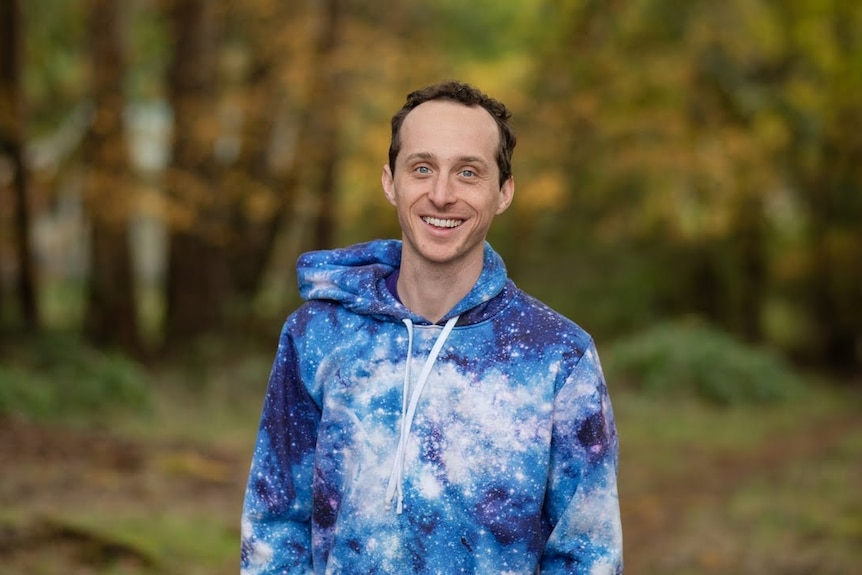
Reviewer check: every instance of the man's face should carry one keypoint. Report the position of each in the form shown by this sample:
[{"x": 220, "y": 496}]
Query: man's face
[{"x": 446, "y": 183}]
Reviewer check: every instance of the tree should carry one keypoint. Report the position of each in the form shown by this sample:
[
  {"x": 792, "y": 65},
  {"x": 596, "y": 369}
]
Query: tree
[
  {"x": 111, "y": 314},
  {"x": 325, "y": 122},
  {"x": 12, "y": 146},
  {"x": 715, "y": 140},
  {"x": 240, "y": 127},
  {"x": 266, "y": 56},
  {"x": 821, "y": 108},
  {"x": 197, "y": 281}
]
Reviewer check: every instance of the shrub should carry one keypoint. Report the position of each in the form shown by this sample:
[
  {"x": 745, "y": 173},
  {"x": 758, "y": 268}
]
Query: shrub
[
  {"x": 59, "y": 378},
  {"x": 692, "y": 359}
]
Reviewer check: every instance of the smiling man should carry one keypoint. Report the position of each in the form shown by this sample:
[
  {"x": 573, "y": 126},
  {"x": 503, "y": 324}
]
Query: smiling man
[
  {"x": 445, "y": 184},
  {"x": 423, "y": 414}
]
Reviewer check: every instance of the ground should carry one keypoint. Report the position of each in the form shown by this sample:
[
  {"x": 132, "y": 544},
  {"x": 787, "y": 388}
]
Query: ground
[
  {"x": 82, "y": 498},
  {"x": 779, "y": 495}
]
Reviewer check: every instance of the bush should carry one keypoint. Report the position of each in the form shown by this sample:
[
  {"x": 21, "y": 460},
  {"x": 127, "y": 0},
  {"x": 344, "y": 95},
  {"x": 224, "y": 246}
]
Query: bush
[
  {"x": 692, "y": 359},
  {"x": 59, "y": 378}
]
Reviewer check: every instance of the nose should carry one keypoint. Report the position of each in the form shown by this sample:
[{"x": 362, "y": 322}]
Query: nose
[{"x": 441, "y": 193}]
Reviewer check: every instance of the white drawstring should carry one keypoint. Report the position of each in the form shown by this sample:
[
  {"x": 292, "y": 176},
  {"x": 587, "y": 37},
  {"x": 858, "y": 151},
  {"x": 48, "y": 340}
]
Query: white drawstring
[{"x": 408, "y": 411}]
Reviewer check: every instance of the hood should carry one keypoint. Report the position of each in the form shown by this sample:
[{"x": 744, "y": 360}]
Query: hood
[{"x": 355, "y": 277}]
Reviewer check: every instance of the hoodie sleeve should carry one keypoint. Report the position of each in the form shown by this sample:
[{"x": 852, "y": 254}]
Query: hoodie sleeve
[
  {"x": 581, "y": 504},
  {"x": 276, "y": 517}
]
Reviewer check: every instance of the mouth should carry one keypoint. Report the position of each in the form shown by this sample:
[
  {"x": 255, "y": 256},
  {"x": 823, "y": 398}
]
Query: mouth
[{"x": 442, "y": 223}]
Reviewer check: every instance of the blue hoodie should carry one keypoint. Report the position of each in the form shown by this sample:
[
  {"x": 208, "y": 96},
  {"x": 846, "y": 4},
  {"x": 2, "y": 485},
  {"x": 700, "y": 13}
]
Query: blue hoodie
[{"x": 389, "y": 445}]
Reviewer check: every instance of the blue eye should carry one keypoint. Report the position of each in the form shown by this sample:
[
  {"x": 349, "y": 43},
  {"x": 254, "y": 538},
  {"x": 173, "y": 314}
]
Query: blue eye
[
  {"x": 468, "y": 173},
  {"x": 423, "y": 170}
]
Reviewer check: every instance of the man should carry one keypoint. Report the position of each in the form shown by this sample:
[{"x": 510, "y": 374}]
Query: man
[{"x": 423, "y": 414}]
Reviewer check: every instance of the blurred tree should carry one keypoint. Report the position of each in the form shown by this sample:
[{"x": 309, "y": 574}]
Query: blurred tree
[
  {"x": 197, "y": 280},
  {"x": 260, "y": 174},
  {"x": 821, "y": 106},
  {"x": 581, "y": 232},
  {"x": 325, "y": 121},
  {"x": 111, "y": 314},
  {"x": 285, "y": 93},
  {"x": 683, "y": 136},
  {"x": 12, "y": 137},
  {"x": 57, "y": 64},
  {"x": 267, "y": 126},
  {"x": 675, "y": 158}
]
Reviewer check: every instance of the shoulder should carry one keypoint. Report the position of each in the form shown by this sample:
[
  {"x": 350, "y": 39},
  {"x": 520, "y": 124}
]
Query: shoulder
[
  {"x": 310, "y": 317},
  {"x": 537, "y": 333},
  {"x": 538, "y": 314}
]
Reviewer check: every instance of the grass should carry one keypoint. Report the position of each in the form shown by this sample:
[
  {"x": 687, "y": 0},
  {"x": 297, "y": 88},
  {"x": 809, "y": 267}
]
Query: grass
[
  {"x": 155, "y": 490},
  {"x": 742, "y": 489},
  {"x": 705, "y": 489}
]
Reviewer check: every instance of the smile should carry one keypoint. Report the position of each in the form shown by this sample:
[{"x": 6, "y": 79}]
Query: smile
[{"x": 441, "y": 223}]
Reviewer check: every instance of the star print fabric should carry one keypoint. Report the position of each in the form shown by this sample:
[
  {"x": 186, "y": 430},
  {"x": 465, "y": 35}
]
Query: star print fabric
[{"x": 510, "y": 465}]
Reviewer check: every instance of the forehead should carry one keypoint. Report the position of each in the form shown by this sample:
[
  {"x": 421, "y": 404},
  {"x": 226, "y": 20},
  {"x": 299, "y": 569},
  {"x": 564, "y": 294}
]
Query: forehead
[{"x": 449, "y": 127}]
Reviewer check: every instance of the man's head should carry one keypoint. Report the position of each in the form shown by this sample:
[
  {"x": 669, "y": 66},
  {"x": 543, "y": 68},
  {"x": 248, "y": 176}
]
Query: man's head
[
  {"x": 469, "y": 96},
  {"x": 446, "y": 183}
]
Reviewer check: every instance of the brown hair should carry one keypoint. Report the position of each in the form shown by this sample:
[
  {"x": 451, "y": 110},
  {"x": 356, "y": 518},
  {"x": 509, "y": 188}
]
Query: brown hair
[{"x": 469, "y": 96}]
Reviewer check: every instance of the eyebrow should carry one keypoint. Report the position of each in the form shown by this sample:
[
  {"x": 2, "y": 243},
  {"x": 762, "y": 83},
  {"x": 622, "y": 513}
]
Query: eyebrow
[
  {"x": 418, "y": 156},
  {"x": 425, "y": 156},
  {"x": 473, "y": 160}
]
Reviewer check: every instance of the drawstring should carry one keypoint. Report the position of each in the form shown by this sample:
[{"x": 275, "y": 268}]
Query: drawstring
[{"x": 408, "y": 411}]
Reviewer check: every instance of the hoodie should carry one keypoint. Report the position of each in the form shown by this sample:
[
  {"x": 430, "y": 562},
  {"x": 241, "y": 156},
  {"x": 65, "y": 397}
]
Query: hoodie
[{"x": 484, "y": 444}]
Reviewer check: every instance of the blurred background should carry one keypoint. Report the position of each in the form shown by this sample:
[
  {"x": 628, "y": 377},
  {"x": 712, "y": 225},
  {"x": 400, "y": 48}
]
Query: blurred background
[{"x": 688, "y": 189}]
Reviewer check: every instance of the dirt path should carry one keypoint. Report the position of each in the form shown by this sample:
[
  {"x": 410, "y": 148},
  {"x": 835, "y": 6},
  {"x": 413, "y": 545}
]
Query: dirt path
[
  {"x": 48, "y": 470},
  {"x": 50, "y": 473},
  {"x": 655, "y": 506}
]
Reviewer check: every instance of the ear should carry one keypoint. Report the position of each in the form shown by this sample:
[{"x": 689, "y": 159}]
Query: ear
[
  {"x": 507, "y": 193},
  {"x": 388, "y": 182}
]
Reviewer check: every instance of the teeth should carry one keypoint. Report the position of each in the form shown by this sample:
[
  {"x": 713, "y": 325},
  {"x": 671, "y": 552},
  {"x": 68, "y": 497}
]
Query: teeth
[{"x": 437, "y": 222}]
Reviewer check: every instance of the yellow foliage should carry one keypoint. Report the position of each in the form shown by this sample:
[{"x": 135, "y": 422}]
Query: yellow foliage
[{"x": 546, "y": 191}]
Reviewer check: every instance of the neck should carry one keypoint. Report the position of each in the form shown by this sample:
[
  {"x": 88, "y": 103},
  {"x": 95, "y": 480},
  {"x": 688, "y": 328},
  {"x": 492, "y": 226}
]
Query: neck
[{"x": 433, "y": 292}]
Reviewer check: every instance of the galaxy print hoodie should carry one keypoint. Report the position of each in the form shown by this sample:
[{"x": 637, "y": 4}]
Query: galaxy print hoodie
[{"x": 388, "y": 445}]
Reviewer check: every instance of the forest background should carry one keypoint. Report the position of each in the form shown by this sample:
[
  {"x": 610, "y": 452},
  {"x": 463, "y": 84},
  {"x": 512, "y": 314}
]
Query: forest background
[{"x": 689, "y": 190}]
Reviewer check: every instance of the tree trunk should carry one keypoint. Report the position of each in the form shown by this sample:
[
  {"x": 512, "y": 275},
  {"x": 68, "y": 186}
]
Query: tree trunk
[
  {"x": 255, "y": 178},
  {"x": 263, "y": 188},
  {"x": 749, "y": 275},
  {"x": 111, "y": 315},
  {"x": 324, "y": 128},
  {"x": 834, "y": 287},
  {"x": 197, "y": 275},
  {"x": 11, "y": 145}
]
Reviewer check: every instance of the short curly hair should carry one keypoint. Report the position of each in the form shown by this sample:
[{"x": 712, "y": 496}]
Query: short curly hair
[{"x": 469, "y": 96}]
